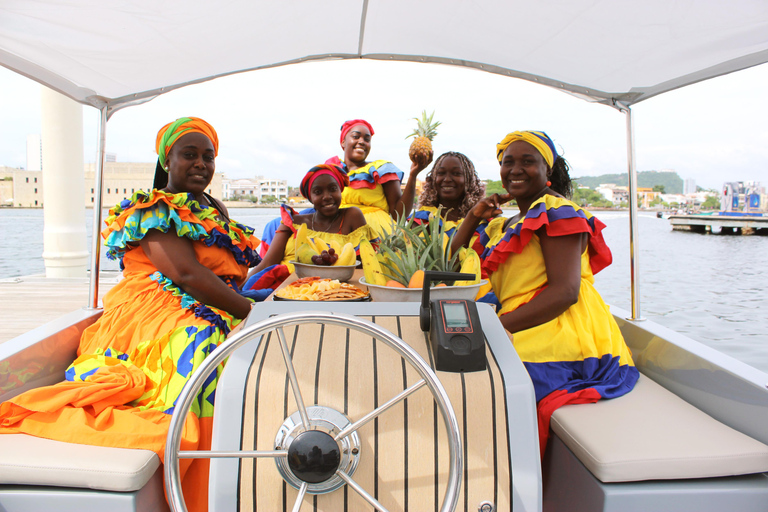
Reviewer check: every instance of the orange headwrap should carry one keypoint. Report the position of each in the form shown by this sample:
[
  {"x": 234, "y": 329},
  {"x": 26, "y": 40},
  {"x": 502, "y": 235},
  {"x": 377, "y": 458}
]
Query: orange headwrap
[{"x": 170, "y": 133}]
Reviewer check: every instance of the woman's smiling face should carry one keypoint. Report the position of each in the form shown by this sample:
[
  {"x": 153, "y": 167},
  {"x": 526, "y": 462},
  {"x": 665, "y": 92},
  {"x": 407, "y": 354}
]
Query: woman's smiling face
[
  {"x": 524, "y": 172},
  {"x": 191, "y": 164},
  {"x": 449, "y": 180},
  {"x": 357, "y": 144},
  {"x": 325, "y": 195}
]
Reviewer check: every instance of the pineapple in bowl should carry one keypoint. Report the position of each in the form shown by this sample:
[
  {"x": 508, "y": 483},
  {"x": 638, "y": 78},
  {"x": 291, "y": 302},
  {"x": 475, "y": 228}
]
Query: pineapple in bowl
[{"x": 395, "y": 272}]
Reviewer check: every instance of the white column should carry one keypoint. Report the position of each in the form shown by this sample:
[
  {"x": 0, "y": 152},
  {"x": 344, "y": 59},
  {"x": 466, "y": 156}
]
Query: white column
[{"x": 65, "y": 248}]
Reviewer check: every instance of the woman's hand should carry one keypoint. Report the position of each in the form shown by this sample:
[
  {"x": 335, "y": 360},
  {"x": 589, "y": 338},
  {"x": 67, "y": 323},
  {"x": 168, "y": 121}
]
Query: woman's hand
[
  {"x": 420, "y": 161},
  {"x": 489, "y": 207}
]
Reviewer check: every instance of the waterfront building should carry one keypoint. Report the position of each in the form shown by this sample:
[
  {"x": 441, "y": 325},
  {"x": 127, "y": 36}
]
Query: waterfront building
[
  {"x": 613, "y": 193},
  {"x": 259, "y": 187},
  {"x": 689, "y": 186},
  {"x": 23, "y": 188}
]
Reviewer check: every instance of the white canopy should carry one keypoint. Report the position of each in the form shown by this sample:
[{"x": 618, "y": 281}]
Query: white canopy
[{"x": 118, "y": 52}]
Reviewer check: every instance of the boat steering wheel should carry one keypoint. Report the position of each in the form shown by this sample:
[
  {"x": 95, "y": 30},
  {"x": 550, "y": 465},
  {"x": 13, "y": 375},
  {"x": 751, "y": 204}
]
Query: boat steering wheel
[{"x": 320, "y": 430}]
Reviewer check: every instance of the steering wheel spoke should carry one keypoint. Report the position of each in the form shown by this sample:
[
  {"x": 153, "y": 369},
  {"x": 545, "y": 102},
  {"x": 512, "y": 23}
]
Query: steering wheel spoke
[{"x": 317, "y": 449}]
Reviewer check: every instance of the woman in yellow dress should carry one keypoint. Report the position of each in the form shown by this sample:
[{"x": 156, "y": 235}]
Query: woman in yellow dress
[
  {"x": 182, "y": 259},
  {"x": 541, "y": 264},
  {"x": 374, "y": 187},
  {"x": 452, "y": 186},
  {"x": 323, "y": 186}
]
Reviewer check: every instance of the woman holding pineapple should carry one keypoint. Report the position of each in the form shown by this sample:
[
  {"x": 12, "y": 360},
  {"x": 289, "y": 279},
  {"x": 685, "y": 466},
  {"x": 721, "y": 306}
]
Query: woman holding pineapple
[
  {"x": 541, "y": 264},
  {"x": 374, "y": 187},
  {"x": 323, "y": 186}
]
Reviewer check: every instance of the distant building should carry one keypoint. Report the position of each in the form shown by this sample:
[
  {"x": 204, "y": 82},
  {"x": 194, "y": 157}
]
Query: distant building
[
  {"x": 23, "y": 188},
  {"x": 34, "y": 152},
  {"x": 613, "y": 193},
  {"x": 259, "y": 187},
  {"x": 689, "y": 186}
]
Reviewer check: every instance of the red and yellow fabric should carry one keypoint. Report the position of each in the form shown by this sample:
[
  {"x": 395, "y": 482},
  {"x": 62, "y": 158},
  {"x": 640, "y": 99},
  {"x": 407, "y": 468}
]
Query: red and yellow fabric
[
  {"x": 580, "y": 356},
  {"x": 355, "y": 237},
  {"x": 132, "y": 363},
  {"x": 366, "y": 192}
]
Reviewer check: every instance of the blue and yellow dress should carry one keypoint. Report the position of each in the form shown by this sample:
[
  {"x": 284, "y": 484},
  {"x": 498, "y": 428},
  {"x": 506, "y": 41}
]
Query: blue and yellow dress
[
  {"x": 366, "y": 192},
  {"x": 133, "y": 362},
  {"x": 580, "y": 356}
]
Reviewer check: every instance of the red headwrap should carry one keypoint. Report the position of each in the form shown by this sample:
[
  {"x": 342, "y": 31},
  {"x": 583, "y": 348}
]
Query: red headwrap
[
  {"x": 332, "y": 170},
  {"x": 349, "y": 124}
]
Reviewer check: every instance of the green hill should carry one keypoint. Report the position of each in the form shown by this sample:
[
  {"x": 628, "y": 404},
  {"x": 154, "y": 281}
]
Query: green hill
[{"x": 673, "y": 184}]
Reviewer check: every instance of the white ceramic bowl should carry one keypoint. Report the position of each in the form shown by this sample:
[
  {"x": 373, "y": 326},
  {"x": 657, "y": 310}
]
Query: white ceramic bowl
[
  {"x": 389, "y": 294},
  {"x": 340, "y": 272}
]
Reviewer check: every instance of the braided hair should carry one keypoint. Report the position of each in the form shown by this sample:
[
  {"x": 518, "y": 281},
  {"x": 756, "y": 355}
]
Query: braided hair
[
  {"x": 561, "y": 181},
  {"x": 474, "y": 189}
]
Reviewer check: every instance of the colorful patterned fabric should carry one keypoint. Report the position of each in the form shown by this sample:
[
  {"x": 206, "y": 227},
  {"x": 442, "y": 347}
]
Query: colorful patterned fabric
[
  {"x": 170, "y": 133},
  {"x": 348, "y": 125},
  {"x": 366, "y": 192},
  {"x": 132, "y": 363},
  {"x": 335, "y": 171},
  {"x": 423, "y": 214},
  {"x": 538, "y": 140},
  {"x": 580, "y": 356},
  {"x": 363, "y": 232}
]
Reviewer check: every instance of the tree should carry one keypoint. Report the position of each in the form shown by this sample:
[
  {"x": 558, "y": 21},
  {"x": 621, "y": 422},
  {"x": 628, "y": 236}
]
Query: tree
[
  {"x": 711, "y": 203},
  {"x": 658, "y": 188}
]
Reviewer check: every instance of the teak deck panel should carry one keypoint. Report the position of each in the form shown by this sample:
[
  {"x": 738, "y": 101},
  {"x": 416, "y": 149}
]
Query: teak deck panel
[
  {"x": 404, "y": 452},
  {"x": 31, "y": 301}
]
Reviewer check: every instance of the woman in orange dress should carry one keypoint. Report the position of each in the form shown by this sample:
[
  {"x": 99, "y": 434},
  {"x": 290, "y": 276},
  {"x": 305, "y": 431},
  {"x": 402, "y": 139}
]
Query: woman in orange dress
[{"x": 182, "y": 260}]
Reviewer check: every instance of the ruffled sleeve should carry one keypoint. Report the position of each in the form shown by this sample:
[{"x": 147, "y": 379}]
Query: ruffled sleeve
[
  {"x": 374, "y": 173},
  {"x": 132, "y": 219},
  {"x": 559, "y": 217},
  {"x": 286, "y": 217}
]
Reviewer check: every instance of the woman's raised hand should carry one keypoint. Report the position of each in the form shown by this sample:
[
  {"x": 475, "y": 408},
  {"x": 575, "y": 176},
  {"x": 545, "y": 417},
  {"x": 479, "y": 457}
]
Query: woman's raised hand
[
  {"x": 490, "y": 206},
  {"x": 419, "y": 162}
]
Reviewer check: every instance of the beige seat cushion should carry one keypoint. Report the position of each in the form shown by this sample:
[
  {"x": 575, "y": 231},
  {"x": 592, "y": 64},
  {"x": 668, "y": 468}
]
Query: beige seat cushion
[
  {"x": 652, "y": 434},
  {"x": 27, "y": 460}
]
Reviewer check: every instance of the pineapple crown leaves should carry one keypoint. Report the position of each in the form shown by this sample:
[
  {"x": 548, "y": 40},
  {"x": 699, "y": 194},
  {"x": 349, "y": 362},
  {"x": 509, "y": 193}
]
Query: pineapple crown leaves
[{"x": 425, "y": 127}]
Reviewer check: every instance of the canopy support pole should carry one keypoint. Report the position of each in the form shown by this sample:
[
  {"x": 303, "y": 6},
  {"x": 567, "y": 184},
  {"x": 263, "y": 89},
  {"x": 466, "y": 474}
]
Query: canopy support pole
[
  {"x": 634, "y": 249},
  {"x": 93, "y": 289}
]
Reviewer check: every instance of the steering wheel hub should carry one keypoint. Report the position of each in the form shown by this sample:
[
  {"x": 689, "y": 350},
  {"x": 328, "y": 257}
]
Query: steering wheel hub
[{"x": 314, "y": 456}]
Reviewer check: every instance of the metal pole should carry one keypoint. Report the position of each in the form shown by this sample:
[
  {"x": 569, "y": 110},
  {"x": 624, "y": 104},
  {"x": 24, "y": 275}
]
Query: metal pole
[
  {"x": 634, "y": 248},
  {"x": 93, "y": 289}
]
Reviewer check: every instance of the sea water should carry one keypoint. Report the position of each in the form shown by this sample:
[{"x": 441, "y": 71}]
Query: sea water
[{"x": 708, "y": 287}]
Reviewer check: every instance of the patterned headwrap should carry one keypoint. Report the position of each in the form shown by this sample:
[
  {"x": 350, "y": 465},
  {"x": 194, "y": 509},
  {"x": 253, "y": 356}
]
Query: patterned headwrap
[
  {"x": 170, "y": 133},
  {"x": 349, "y": 124},
  {"x": 332, "y": 170},
  {"x": 538, "y": 140}
]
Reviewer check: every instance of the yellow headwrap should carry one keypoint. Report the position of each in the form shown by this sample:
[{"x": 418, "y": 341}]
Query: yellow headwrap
[
  {"x": 170, "y": 133},
  {"x": 538, "y": 140}
]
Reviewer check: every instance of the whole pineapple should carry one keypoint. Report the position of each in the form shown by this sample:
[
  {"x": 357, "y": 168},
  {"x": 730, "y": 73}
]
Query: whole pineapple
[{"x": 423, "y": 135}]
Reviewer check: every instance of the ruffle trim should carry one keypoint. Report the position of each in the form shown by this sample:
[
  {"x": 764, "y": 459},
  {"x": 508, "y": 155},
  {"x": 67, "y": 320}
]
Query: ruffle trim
[
  {"x": 210, "y": 314},
  {"x": 364, "y": 231},
  {"x": 559, "y": 217},
  {"x": 374, "y": 173},
  {"x": 422, "y": 215},
  {"x": 129, "y": 222}
]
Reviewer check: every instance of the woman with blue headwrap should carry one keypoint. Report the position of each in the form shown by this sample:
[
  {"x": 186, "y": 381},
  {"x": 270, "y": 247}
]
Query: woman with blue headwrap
[{"x": 541, "y": 264}]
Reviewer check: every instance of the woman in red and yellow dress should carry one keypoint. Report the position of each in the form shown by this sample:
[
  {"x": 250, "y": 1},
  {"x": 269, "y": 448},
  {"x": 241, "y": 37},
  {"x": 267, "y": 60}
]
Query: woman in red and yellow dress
[
  {"x": 541, "y": 264},
  {"x": 183, "y": 260}
]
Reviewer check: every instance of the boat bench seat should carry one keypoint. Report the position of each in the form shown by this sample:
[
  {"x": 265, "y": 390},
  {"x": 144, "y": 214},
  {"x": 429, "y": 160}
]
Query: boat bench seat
[
  {"x": 652, "y": 434},
  {"x": 28, "y": 460}
]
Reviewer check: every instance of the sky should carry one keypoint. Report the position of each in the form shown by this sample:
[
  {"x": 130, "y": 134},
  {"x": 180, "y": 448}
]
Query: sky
[{"x": 280, "y": 122}]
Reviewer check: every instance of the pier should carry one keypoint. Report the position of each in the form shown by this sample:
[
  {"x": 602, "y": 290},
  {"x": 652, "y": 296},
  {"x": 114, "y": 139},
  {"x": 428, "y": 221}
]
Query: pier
[
  {"x": 31, "y": 301},
  {"x": 721, "y": 224}
]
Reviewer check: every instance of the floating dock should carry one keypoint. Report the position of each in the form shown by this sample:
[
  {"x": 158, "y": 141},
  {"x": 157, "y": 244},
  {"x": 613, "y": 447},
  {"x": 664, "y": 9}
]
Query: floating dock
[{"x": 721, "y": 224}]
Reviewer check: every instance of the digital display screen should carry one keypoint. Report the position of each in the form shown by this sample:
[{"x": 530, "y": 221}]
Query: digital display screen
[{"x": 455, "y": 315}]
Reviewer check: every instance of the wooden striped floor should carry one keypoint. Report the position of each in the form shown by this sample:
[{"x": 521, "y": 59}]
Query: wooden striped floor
[
  {"x": 404, "y": 452},
  {"x": 31, "y": 301}
]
